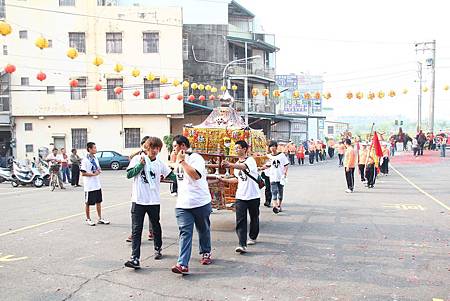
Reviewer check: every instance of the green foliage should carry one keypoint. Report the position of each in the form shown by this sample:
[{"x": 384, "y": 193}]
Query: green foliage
[{"x": 168, "y": 139}]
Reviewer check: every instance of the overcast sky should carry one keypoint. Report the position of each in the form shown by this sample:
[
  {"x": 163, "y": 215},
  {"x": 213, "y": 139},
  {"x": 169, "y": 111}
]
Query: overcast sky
[{"x": 361, "y": 46}]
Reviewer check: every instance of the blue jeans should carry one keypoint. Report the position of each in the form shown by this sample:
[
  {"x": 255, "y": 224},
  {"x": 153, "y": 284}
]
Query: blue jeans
[
  {"x": 277, "y": 191},
  {"x": 443, "y": 146},
  {"x": 186, "y": 218},
  {"x": 65, "y": 171}
]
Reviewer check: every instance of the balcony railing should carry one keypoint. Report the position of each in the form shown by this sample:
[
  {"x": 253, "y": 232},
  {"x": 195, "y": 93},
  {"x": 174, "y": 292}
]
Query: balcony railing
[
  {"x": 258, "y": 107},
  {"x": 252, "y": 70}
]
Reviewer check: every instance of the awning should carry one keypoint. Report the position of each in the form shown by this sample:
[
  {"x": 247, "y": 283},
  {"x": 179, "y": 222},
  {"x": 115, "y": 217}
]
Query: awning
[
  {"x": 58, "y": 135},
  {"x": 259, "y": 44}
]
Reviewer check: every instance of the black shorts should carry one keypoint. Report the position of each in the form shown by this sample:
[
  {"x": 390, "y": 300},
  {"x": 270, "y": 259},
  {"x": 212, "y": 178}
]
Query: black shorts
[{"x": 93, "y": 197}]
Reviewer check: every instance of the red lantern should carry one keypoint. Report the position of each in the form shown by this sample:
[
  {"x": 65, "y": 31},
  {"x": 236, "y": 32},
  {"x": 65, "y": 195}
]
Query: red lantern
[
  {"x": 202, "y": 98},
  {"x": 166, "y": 96},
  {"x": 118, "y": 90},
  {"x": 10, "y": 68},
  {"x": 180, "y": 97},
  {"x": 212, "y": 97},
  {"x": 152, "y": 95},
  {"x": 41, "y": 76},
  {"x": 136, "y": 93},
  {"x": 191, "y": 97},
  {"x": 73, "y": 83},
  {"x": 98, "y": 87}
]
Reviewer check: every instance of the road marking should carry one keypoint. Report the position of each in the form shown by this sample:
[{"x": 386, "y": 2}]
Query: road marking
[
  {"x": 421, "y": 190},
  {"x": 9, "y": 258},
  {"x": 436, "y": 299},
  {"x": 405, "y": 206},
  {"x": 61, "y": 219}
]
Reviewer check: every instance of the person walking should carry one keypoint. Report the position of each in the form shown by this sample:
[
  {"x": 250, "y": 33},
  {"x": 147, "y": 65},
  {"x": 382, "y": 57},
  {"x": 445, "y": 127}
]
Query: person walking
[
  {"x": 193, "y": 205},
  {"x": 146, "y": 170},
  {"x": 371, "y": 169},
  {"x": 90, "y": 170},
  {"x": 341, "y": 152},
  {"x": 75, "y": 161},
  {"x": 443, "y": 144},
  {"x": 349, "y": 165},
  {"x": 301, "y": 154},
  {"x": 65, "y": 170},
  {"x": 362, "y": 161},
  {"x": 311, "y": 152},
  {"x": 421, "y": 139},
  {"x": 247, "y": 195},
  {"x": 331, "y": 145},
  {"x": 291, "y": 150},
  {"x": 384, "y": 168},
  {"x": 415, "y": 147},
  {"x": 54, "y": 159},
  {"x": 278, "y": 168}
]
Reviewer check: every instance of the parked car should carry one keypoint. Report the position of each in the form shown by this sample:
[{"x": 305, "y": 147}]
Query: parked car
[{"x": 112, "y": 159}]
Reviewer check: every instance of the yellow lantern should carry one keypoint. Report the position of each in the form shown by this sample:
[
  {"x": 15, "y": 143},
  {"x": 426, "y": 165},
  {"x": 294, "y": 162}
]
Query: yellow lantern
[
  {"x": 151, "y": 77},
  {"x": 118, "y": 68},
  {"x": 213, "y": 90},
  {"x": 446, "y": 88},
  {"x": 163, "y": 80},
  {"x": 234, "y": 87},
  {"x": 405, "y": 91},
  {"x": 5, "y": 28},
  {"x": 425, "y": 89},
  {"x": 380, "y": 94},
  {"x": 255, "y": 92},
  {"x": 41, "y": 43},
  {"x": 349, "y": 95},
  {"x": 223, "y": 88},
  {"x": 276, "y": 93},
  {"x": 327, "y": 95},
  {"x": 307, "y": 95},
  {"x": 176, "y": 83},
  {"x": 72, "y": 53},
  {"x": 359, "y": 95},
  {"x": 317, "y": 95},
  {"x": 201, "y": 87},
  {"x": 265, "y": 92},
  {"x": 371, "y": 95},
  {"x": 185, "y": 84},
  {"x": 296, "y": 94},
  {"x": 208, "y": 88},
  {"x": 97, "y": 61},
  {"x": 194, "y": 86},
  {"x": 392, "y": 93},
  {"x": 135, "y": 72}
]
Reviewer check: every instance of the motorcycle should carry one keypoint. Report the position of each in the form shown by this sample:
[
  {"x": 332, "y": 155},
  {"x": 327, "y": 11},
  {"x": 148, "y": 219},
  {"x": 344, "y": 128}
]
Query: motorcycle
[
  {"x": 44, "y": 169},
  {"x": 5, "y": 174},
  {"x": 22, "y": 175}
]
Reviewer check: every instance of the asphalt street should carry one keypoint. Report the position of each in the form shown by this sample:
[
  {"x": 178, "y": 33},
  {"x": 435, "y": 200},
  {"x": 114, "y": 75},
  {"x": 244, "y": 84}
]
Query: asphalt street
[{"x": 387, "y": 243}]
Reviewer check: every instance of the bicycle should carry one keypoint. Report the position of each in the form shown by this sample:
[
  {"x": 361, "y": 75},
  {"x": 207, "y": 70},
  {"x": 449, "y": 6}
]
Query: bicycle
[{"x": 54, "y": 181}]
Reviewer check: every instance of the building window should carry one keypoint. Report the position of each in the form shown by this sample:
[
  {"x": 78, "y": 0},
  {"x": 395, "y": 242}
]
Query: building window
[
  {"x": 29, "y": 148},
  {"x": 24, "y": 81},
  {"x": 132, "y": 138},
  {"x": 185, "y": 47},
  {"x": 2, "y": 9},
  {"x": 330, "y": 130},
  {"x": 151, "y": 86},
  {"x": 5, "y": 49},
  {"x": 4, "y": 92},
  {"x": 151, "y": 42},
  {"x": 66, "y": 2},
  {"x": 50, "y": 89},
  {"x": 23, "y": 34},
  {"x": 113, "y": 42},
  {"x": 106, "y": 2},
  {"x": 77, "y": 40},
  {"x": 50, "y": 43},
  {"x": 79, "y": 92},
  {"x": 111, "y": 84},
  {"x": 79, "y": 138},
  {"x": 28, "y": 126}
]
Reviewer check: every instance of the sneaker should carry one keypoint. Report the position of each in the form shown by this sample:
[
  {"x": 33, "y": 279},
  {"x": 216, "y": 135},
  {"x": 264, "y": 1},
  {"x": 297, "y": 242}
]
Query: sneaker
[
  {"x": 206, "y": 259},
  {"x": 89, "y": 222},
  {"x": 150, "y": 235},
  {"x": 103, "y": 221},
  {"x": 173, "y": 194},
  {"x": 157, "y": 255},
  {"x": 251, "y": 242},
  {"x": 180, "y": 269},
  {"x": 275, "y": 210},
  {"x": 133, "y": 263},
  {"x": 241, "y": 250},
  {"x": 129, "y": 239},
  {"x": 267, "y": 205},
  {"x": 349, "y": 191}
]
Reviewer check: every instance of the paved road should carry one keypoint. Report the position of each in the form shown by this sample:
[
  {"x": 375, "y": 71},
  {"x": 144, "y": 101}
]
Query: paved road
[{"x": 389, "y": 243}]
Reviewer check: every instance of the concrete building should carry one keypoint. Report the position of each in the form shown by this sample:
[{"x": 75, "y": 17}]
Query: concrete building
[
  {"x": 53, "y": 114},
  {"x": 335, "y": 128}
]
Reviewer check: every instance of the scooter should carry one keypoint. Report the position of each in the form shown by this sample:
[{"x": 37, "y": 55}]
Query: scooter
[
  {"x": 26, "y": 176},
  {"x": 5, "y": 174},
  {"x": 44, "y": 169}
]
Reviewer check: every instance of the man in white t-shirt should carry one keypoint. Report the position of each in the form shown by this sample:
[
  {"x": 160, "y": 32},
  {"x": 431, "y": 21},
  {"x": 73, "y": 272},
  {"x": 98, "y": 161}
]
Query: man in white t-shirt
[
  {"x": 193, "y": 205},
  {"x": 247, "y": 195},
  {"x": 90, "y": 170},
  {"x": 54, "y": 159},
  {"x": 146, "y": 171},
  {"x": 278, "y": 168}
]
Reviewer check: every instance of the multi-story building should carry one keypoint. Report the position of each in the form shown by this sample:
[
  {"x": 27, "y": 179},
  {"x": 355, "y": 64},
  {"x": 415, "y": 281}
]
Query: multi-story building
[{"x": 51, "y": 113}]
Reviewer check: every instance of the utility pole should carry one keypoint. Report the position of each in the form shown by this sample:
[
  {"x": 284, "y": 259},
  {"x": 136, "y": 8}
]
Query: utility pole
[
  {"x": 430, "y": 46},
  {"x": 419, "y": 99}
]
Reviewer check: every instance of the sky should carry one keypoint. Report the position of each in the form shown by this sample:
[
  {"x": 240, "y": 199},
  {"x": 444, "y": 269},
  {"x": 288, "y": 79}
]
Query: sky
[{"x": 361, "y": 45}]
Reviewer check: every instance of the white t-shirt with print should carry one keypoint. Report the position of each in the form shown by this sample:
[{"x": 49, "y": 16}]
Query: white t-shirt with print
[
  {"x": 53, "y": 159},
  {"x": 192, "y": 193},
  {"x": 142, "y": 193},
  {"x": 277, "y": 164},
  {"x": 90, "y": 183},
  {"x": 247, "y": 188}
]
